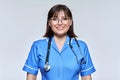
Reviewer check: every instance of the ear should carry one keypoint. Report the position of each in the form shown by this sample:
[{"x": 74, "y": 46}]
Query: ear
[{"x": 49, "y": 23}]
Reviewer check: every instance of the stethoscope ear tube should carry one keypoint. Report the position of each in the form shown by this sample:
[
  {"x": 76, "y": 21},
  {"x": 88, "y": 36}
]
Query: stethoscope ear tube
[
  {"x": 46, "y": 65},
  {"x": 83, "y": 61}
]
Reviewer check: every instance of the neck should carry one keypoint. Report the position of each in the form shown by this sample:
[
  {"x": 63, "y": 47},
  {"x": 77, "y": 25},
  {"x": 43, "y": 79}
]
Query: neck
[{"x": 60, "y": 39}]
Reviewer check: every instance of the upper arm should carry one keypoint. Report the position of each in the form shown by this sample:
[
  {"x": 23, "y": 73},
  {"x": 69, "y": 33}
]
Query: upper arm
[
  {"x": 31, "y": 64},
  {"x": 87, "y": 68},
  {"x": 88, "y": 77},
  {"x": 31, "y": 77}
]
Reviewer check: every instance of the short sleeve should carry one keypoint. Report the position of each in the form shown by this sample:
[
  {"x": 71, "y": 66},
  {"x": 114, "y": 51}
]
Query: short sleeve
[
  {"x": 87, "y": 68},
  {"x": 31, "y": 64}
]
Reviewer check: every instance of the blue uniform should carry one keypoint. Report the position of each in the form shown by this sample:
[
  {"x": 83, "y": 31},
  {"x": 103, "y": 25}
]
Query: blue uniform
[{"x": 63, "y": 63}]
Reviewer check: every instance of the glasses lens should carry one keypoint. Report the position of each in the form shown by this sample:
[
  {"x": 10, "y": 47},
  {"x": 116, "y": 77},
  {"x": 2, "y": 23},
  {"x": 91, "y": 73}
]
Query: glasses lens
[{"x": 63, "y": 20}]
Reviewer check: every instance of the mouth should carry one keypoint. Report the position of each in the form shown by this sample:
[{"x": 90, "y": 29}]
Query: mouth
[{"x": 60, "y": 28}]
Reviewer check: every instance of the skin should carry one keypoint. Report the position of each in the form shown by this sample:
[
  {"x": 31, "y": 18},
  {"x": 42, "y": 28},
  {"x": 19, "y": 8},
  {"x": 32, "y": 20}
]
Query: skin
[
  {"x": 60, "y": 33},
  {"x": 88, "y": 77},
  {"x": 31, "y": 77},
  {"x": 60, "y": 30}
]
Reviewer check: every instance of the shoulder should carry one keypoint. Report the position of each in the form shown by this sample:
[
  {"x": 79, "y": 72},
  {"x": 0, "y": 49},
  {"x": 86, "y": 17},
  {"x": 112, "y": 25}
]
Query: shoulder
[
  {"x": 41, "y": 41},
  {"x": 81, "y": 42}
]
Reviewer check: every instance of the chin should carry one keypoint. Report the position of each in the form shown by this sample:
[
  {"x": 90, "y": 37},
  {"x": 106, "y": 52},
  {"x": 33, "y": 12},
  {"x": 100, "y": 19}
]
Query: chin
[{"x": 61, "y": 34}]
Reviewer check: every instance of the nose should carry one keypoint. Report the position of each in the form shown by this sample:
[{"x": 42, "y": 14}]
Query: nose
[{"x": 59, "y": 21}]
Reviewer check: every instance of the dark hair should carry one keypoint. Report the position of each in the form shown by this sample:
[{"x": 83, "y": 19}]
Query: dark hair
[{"x": 53, "y": 12}]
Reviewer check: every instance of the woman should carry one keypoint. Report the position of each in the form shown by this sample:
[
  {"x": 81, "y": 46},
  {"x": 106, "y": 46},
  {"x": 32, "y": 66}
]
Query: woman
[{"x": 59, "y": 56}]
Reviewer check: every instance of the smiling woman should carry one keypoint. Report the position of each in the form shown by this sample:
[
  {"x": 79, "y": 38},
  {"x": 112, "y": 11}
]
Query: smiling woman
[
  {"x": 54, "y": 15},
  {"x": 60, "y": 56},
  {"x": 60, "y": 25}
]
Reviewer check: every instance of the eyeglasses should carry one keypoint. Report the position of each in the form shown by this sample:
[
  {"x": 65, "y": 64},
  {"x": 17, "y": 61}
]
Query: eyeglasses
[{"x": 64, "y": 20}]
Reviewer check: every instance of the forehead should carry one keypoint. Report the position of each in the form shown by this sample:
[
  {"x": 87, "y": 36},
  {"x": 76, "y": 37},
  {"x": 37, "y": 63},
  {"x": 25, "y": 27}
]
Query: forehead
[{"x": 60, "y": 13}]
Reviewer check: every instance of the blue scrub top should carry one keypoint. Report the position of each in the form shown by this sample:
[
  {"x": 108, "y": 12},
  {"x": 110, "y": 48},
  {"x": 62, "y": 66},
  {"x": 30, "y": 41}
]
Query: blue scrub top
[{"x": 63, "y": 64}]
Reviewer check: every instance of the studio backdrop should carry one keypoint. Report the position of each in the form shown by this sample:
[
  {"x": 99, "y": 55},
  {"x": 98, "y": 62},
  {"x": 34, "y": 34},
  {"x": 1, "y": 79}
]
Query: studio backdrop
[{"x": 97, "y": 22}]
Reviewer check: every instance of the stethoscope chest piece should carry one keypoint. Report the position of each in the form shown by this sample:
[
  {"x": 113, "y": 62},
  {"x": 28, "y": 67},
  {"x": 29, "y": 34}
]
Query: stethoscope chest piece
[{"x": 47, "y": 67}]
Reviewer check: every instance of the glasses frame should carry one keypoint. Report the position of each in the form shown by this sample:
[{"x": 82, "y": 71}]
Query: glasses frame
[{"x": 63, "y": 20}]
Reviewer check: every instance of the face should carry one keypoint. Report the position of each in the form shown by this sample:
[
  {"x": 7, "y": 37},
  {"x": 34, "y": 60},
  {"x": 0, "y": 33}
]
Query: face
[{"x": 60, "y": 24}]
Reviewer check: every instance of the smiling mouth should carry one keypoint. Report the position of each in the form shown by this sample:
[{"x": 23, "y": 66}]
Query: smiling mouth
[{"x": 60, "y": 28}]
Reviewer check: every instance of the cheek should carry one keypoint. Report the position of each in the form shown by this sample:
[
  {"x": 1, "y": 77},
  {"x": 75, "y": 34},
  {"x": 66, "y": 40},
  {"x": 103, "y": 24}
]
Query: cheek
[
  {"x": 67, "y": 27},
  {"x": 51, "y": 25},
  {"x": 69, "y": 24}
]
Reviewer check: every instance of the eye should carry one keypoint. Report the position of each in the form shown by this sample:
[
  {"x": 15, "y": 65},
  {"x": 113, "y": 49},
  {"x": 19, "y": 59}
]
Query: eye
[
  {"x": 65, "y": 18},
  {"x": 54, "y": 19}
]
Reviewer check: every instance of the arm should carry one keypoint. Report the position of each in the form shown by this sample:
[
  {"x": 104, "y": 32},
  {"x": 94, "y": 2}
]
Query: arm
[
  {"x": 30, "y": 77},
  {"x": 88, "y": 77}
]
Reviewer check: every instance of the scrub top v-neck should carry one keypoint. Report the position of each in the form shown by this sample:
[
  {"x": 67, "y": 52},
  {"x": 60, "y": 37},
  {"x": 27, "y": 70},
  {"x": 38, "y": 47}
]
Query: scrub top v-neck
[{"x": 63, "y": 63}]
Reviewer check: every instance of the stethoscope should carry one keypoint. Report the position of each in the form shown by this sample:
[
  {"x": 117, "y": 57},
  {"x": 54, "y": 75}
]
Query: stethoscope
[{"x": 47, "y": 66}]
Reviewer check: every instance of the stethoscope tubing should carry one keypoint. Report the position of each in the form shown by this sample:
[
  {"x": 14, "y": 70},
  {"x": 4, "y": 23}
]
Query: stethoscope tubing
[{"x": 47, "y": 66}]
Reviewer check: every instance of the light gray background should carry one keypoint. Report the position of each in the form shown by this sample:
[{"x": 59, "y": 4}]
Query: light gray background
[{"x": 97, "y": 22}]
